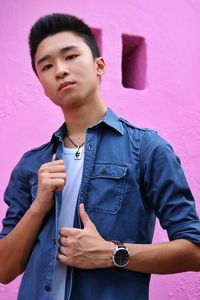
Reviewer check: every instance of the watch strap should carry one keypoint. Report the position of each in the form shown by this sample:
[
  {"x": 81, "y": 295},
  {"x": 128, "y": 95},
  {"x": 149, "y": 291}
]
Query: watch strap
[{"x": 119, "y": 244}]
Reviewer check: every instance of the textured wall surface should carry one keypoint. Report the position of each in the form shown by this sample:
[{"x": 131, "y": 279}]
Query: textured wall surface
[{"x": 152, "y": 50}]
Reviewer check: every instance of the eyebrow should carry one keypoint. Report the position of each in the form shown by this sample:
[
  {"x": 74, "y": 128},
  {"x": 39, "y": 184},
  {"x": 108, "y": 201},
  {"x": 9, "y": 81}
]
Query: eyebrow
[{"x": 65, "y": 49}]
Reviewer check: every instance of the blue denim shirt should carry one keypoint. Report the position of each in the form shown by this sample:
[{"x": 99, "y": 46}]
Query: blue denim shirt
[{"x": 130, "y": 176}]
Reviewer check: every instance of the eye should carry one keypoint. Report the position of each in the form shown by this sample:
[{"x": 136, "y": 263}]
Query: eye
[
  {"x": 70, "y": 57},
  {"x": 46, "y": 67}
]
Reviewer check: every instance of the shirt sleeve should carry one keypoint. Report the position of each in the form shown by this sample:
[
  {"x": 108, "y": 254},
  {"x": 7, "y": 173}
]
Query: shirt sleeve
[
  {"x": 18, "y": 198},
  {"x": 167, "y": 190}
]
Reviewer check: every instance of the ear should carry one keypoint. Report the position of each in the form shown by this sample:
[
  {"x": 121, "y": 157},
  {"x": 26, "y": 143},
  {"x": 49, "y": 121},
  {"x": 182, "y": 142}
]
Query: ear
[{"x": 100, "y": 66}]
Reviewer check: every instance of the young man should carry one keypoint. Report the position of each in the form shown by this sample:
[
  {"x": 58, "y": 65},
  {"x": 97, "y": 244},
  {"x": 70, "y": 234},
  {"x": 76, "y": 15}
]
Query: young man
[{"x": 82, "y": 207}]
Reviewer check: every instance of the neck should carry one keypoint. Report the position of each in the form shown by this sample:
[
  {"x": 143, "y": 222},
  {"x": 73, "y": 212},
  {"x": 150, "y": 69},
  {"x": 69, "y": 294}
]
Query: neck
[{"x": 78, "y": 120}]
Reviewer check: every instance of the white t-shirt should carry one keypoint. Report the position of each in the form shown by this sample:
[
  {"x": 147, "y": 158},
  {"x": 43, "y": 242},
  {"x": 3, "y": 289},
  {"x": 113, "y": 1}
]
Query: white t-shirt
[{"x": 74, "y": 168}]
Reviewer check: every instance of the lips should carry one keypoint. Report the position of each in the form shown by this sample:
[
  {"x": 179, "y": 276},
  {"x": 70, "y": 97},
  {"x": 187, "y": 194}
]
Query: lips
[{"x": 64, "y": 84}]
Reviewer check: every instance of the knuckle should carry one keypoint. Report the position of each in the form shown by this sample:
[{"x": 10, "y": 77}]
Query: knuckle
[{"x": 42, "y": 169}]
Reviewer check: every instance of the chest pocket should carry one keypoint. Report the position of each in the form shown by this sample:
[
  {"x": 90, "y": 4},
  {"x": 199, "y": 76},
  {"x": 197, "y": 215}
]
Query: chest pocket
[{"x": 106, "y": 188}]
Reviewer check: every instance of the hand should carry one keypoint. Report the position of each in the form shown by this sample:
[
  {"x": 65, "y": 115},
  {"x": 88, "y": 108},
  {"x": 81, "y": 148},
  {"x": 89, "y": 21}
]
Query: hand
[
  {"x": 51, "y": 178},
  {"x": 84, "y": 248}
]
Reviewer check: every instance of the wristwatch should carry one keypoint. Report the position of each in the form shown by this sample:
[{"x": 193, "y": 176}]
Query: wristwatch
[{"x": 120, "y": 255}]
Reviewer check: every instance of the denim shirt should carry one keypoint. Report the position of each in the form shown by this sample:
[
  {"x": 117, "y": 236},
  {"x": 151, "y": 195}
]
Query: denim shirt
[{"x": 130, "y": 176}]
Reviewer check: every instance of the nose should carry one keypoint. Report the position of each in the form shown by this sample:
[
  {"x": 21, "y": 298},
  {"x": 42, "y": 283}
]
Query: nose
[{"x": 61, "y": 71}]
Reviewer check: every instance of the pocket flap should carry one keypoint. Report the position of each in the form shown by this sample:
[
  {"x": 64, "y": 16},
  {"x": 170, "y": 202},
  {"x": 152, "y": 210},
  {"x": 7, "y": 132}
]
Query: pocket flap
[{"x": 109, "y": 171}]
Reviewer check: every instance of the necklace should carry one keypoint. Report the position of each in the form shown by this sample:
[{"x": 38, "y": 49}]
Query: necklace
[{"x": 79, "y": 152}]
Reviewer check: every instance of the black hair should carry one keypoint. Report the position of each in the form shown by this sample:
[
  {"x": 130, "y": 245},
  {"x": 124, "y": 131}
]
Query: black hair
[{"x": 51, "y": 24}]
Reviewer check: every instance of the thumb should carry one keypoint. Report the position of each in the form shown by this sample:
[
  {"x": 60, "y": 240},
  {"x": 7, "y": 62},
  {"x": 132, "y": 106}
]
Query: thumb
[
  {"x": 54, "y": 157},
  {"x": 84, "y": 217}
]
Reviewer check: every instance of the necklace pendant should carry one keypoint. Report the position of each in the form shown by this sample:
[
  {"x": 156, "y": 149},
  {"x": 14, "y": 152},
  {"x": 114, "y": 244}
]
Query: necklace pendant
[{"x": 78, "y": 154}]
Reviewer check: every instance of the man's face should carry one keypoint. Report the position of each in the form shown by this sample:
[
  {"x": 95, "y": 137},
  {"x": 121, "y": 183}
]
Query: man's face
[{"x": 67, "y": 70}]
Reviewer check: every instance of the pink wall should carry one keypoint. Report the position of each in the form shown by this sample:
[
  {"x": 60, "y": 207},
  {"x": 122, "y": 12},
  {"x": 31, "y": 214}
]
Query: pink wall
[{"x": 165, "y": 93}]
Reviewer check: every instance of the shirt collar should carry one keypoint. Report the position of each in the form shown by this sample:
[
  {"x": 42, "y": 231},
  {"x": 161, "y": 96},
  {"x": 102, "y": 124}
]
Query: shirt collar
[
  {"x": 60, "y": 133},
  {"x": 110, "y": 119}
]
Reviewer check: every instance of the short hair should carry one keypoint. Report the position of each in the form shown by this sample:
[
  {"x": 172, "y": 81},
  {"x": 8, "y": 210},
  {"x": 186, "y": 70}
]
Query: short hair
[{"x": 49, "y": 25}]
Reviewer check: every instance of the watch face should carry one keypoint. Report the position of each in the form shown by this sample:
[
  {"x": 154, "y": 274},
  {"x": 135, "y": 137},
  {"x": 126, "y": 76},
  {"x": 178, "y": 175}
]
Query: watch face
[{"x": 121, "y": 257}]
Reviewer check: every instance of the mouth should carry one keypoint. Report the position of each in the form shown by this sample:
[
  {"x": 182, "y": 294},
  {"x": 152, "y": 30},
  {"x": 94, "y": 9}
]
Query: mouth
[{"x": 65, "y": 84}]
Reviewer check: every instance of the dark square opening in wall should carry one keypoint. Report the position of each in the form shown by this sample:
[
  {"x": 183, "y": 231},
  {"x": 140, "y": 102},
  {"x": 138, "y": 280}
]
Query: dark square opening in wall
[
  {"x": 98, "y": 36},
  {"x": 134, "y": 62}
]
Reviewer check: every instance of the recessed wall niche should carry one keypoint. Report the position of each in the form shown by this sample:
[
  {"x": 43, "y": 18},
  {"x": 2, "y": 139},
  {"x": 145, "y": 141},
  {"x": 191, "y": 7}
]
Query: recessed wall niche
[{"x": 134, "y": 62}]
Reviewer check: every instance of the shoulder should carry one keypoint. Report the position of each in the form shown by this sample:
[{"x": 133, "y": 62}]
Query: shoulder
[
  {"x": 136, "y": 131},
  {"x": 150, "y": 141},
  {"x": 38, "y": 151},
  {"x": 155, "y": 149},
  {"x": 134, "y": 127},
  {"x": 32, "y": 159}
]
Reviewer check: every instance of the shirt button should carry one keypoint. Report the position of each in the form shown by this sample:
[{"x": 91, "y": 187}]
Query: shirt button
[
  {"x": 47, "y": 288},
  {"x": 89, "y": 147}
]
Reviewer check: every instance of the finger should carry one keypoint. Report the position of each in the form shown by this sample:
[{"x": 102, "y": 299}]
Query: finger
[
  {"x": 67, "y": 232},
  {"x": 47, "y": 168},
  {"x": 59, "y": 162},
  {"x": 57, "y": 184},
  {"x": 63, "y": 241},
  {"x": 56, "y": 169},
  {"x": 55, "y": 162},
  {"x": 62, "y": 250},
  {"x": 56, "y": 173},
  {"x": 58, "y": 180},
  {"x": 62, "y": 258},
  {"x": 84, "y": 216}
]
